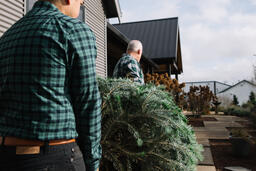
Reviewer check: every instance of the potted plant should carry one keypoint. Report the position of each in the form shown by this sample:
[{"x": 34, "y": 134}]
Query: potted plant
[{"x": 242, "y": 142}]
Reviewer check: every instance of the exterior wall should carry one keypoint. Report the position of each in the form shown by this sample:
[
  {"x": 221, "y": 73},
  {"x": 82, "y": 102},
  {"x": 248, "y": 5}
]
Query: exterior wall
[
  {"x": 241, "y": 90},
  {"x": 96, "y": 19},
  {"x": 219, "y": 86},
  {"x": 10, "y": 12},
  {"x": 13, "y": 10}
]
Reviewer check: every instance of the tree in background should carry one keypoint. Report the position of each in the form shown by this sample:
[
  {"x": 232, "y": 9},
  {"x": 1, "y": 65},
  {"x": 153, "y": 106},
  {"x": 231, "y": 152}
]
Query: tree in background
[
  {"x": 252, "y": 98},
  {"x": 235, "y": 100},
  {"x": 199, "y": 99},
  {"x": 252, "y": 103},
  {"x": 254, "y": 74}
]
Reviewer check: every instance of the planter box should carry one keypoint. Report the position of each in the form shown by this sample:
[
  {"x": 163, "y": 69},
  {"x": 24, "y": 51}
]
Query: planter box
[{"x": 241, "y": 147}]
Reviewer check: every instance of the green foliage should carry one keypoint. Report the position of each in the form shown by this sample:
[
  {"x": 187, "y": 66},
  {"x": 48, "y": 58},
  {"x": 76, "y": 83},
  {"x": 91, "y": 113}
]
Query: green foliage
[
  {"x": 143, "y": 129},
  {"x": 237, "y": 111},
  {"x": 235, "y": 100},
  {"x": 253, "y": 116},
  {"x": 252, "y": 99}
]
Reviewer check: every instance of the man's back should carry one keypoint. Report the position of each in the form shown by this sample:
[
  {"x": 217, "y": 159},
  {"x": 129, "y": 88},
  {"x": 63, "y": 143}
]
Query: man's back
[
  {"x": 33, "y": 68},
  {"x": 128, "y": 67},
  {"x": 35, "y": 74},
  {"x": 48, "y": 87}
]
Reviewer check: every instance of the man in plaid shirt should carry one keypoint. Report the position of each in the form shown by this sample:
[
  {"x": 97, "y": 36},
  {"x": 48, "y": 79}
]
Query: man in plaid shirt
[
  {"x": 128, "y": 66},
  {"x": 50, "y": 104}
]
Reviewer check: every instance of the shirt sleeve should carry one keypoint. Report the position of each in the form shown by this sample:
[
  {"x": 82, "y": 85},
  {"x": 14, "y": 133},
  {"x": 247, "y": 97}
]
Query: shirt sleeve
[{"x": 85, "y": 96}]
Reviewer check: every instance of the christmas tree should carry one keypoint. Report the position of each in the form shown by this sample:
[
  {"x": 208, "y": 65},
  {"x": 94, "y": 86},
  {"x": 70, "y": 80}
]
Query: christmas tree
[{"x": 143, "y": 129}]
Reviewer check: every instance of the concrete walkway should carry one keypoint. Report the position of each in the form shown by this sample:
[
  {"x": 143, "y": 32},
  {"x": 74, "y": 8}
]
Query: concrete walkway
[{"x": 213, "y": 130}]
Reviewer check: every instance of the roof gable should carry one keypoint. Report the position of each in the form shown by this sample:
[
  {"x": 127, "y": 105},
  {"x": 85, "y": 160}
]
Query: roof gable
[
  {"x": 112, "y": 31},
  {"x": 159, "y": 37},
  {"x": 245, "y": 81}
]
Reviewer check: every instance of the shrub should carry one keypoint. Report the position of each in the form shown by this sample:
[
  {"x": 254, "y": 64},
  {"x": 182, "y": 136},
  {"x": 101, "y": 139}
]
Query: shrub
[
  {"x": 171, "y": 85},
  {"x": 143, "y": 129},
  {"x": 253, "y": 115},
  {"x": 199, "y": 99},
  {"x": 237, "y": 111},
  {"x": 235, "y": 100},
  {"x": 221, "y": 109},
  {"x": 252, "y": 98}
]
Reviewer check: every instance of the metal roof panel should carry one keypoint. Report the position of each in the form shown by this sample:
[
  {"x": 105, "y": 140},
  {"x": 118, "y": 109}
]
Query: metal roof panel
[{"x": 159, "y": 37}]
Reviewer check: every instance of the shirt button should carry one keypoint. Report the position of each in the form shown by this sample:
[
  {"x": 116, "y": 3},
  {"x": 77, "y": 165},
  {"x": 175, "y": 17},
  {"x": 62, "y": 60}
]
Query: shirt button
[
  {"x": 72, "y": 149},
  {"x": 71, "y": 159}
]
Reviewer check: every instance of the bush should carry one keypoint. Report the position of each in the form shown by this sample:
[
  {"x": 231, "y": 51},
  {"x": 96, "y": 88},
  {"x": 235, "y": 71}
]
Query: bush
[
  {"x": 171, "y": 85},
  {"x": 235, "y": 100},
  {"x": 248, "y": 105},
  {"x": 143, "y": 129},
  {"x": 254, "y": 118},
  {"x": 237, "y": 111},
  {"x": 199, "y": 99},
  {"x": 221, "y": 109}
]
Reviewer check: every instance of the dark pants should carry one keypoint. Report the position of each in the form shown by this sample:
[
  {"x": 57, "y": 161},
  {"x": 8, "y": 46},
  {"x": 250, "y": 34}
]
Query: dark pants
[{"x": 66, "y": 157}]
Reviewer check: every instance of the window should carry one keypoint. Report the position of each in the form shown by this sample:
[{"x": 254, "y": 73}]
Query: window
[{"x": 30, "y": 3}]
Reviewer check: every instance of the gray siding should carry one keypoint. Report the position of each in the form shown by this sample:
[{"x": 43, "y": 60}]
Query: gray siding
[
  {"x": 13, "y": 10},
  {"x": 10, "y": 12},
  {"x": 96, "y": 19}
]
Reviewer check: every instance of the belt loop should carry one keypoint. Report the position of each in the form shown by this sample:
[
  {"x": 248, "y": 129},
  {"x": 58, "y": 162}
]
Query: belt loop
[
  {"x": 3, "y": 139},
  {"x": 46, "y": 146}
]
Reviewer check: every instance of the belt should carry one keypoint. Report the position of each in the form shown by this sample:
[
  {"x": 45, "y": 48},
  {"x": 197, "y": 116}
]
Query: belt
[{"x": 14, "y": 141}]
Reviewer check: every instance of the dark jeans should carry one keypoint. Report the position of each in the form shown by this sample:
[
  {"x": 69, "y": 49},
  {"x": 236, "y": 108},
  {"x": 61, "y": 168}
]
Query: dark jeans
[{"x": 66, "y": 157}]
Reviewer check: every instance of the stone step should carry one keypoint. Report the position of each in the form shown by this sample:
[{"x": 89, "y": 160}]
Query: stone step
[
  {"x": 236, "y": 168},
  {"x": 224, "y": 134},
  {"x": 206, "y": 168},
  {"x": 222, "y": 124},
  {"x": 208, "y": 160}
]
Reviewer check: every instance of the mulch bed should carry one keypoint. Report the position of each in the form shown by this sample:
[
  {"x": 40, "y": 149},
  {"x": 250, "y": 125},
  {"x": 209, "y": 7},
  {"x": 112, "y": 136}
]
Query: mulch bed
[
  {"x": 198, "y": 121},
  {"x": 223, "y": 157},
  {"x": 246, "y": 124}
]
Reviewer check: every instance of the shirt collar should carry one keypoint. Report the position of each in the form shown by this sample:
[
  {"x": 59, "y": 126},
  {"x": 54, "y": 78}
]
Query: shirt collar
[{"x": 126, "y": 54}]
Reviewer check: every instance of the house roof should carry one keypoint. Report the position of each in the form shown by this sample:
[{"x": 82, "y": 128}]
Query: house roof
[
  {"x": 124, "y": 40},
  {"x": 199, "y": 82},
  {"x": 238, "y": 84},
  {"x": 159, "y": 37},
  {"x": 112, "y": 8}
]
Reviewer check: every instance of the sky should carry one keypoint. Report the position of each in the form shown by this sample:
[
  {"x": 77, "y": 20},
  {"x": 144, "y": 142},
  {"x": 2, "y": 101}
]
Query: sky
[{"x": 218, "y": 37}]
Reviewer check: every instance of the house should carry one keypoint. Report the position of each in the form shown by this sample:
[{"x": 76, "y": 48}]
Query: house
[
  {"x": 215, "y": 86},
  {"x": 117, "y": 44},
  {"x": 94, "y": 12},
  {"x": 241, "y": 90},
  {"x": 161, "y": 42}
]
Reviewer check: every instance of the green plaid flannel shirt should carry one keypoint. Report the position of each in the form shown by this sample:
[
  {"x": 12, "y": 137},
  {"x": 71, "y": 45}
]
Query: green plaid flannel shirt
[
  {"x": 48, "y": 87},
  {"x": 128, "y": 67}
]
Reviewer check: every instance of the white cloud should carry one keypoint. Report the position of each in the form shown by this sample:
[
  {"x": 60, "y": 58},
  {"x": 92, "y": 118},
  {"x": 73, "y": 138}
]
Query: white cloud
[
  {"x": 253, "y": 2},
  {"x": 225, "y": 72},
  {"x": 155, "y": 10},
  {"x": 217, "y": 37},
  {"x": 213, "y": 11},
  {"x": 218, "y": 51}
]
